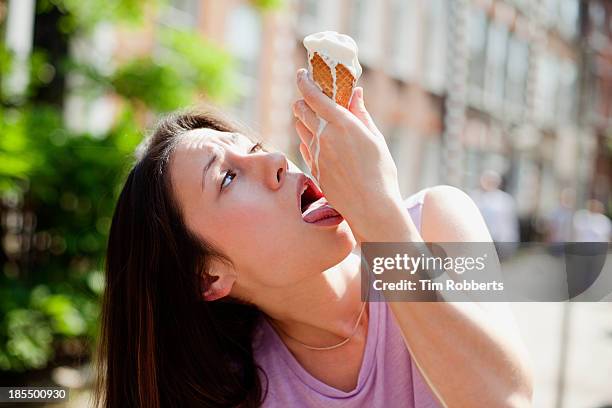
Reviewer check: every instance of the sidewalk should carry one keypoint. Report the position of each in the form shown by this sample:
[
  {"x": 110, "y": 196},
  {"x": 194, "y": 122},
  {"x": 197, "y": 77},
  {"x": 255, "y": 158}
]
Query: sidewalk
[{"x": 587, "y": 382}]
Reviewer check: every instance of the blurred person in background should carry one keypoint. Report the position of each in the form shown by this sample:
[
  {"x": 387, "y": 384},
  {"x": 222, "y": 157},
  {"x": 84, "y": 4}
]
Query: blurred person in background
[
  {"x": 559, "y": 223},
  {"x": 222, "y": 292},
  {"x": 498, "y": 209},
  {"x": 591, "y": 224},
  {"x": 586, "y": 256}
]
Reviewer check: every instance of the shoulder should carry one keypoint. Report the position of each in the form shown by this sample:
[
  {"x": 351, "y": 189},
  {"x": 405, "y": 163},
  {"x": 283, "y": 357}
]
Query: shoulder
[
  {"x": 438, "y": 196},
  {"x": 450, "y": 214},
  {"x": 439, "y": 207},
  {"x": 447, "y": 199},
  {"x": 439, "y": 193},
  {"x": 443, "y": 191}
]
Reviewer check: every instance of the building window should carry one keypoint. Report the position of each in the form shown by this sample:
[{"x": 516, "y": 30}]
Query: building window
[
  {"x": 18, "y": 39},
  {"x": 497, "y": 49},
  {"x": 597, "y": 15},
  {"x": 477, "y": 42},
  {"x": 310, "y": 9},
  {"x": 357, "y": 15},
  {"x": 91, "y": 111},
  {"x": 518, "y": 66},
  {"x": 366, "y": 29},
  {"x": 521, "y": 4},
  {"x": 309, "y": 20},
  {"x": 472, "y": 167},
  {"x": 318, "y": 15},
  {"x": 243, "y": 38},
  {"x": 404, "y": 38},
  {"x": 596, "y": 100},
  {"x": 568, "y": 18},
  {"x": 550, "y": 9},
  {"x": 546, "y": 89},
  {"x": 435, "y": 51},
  {"x": 566, "y": 99}
]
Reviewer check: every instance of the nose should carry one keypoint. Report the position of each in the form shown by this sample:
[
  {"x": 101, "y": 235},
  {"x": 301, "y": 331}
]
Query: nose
[{"x": 274, "y": 166}]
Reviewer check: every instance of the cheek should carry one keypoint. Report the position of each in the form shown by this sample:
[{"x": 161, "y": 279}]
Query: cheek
[
  {"x": 254, "y": 217},
  {"x": 257, "y": 232},
  {"x": 248, "y": 226},
  {"x": 254, "y": 238}
]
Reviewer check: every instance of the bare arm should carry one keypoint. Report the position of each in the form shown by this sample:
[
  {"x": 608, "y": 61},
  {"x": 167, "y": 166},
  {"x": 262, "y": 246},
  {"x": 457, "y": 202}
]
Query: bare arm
[
  {"x": 469, "y": 353},
  {"x": 466, "y": 351}
]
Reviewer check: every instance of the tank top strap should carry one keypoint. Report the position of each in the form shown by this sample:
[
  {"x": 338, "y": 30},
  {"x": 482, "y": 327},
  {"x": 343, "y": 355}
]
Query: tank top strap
[{"x": 414, "y": 205}]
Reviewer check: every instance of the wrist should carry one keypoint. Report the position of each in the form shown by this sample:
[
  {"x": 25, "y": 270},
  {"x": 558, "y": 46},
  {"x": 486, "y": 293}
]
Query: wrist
[{"x": 387, "y": 221}]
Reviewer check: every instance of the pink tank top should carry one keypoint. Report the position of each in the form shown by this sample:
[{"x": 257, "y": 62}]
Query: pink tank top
[{"x": 388, "y": 377}]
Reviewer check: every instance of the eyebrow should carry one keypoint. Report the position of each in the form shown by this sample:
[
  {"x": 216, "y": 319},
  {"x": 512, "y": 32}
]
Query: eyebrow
[{"x": 212, "y": 160}]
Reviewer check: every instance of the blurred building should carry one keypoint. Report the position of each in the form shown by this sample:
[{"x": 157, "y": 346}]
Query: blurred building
[
  {"x": 596, "y": 46},
  {"x": 457, "y": 86}
]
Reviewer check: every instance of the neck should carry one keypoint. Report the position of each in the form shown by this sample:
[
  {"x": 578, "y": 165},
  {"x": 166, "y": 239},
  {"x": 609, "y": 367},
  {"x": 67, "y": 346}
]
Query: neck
[{"x": 322, "y": 310}]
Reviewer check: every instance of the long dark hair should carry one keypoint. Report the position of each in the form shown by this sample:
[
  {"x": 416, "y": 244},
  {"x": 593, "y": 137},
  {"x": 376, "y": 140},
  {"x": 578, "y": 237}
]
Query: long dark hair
[{"x": 161, "y": 344}]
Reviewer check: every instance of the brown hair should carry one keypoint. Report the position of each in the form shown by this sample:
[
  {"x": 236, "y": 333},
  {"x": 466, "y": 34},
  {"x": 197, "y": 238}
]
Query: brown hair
[{"x": 161, "y": 344}]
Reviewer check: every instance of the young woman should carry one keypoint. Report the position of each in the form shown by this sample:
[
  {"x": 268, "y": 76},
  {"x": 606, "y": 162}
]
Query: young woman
[{"x": 220, "y": 293}]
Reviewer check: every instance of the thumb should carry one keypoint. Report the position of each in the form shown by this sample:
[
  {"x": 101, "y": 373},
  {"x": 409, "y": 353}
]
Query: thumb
[{"x": 357, "y": 107}]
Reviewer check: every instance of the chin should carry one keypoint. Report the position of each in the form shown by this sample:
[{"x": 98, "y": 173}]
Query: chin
[
  {"x": 346, "y": 241},
  {"x": 349, "y": 236}
]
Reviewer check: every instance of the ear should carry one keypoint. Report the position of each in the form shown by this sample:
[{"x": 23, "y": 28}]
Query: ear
[{"x": 222, "y": 278}]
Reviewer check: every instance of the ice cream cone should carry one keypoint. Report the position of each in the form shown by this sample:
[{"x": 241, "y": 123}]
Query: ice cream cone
[{"x": 323, "y": 75}]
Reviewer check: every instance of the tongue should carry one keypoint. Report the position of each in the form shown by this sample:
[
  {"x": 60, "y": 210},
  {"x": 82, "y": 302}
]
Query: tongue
[{"x": 318, "y": 211}]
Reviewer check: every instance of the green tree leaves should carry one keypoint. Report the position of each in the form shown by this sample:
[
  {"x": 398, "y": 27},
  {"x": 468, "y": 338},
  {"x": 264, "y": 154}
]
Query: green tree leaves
[{"x": 58, "y": 186}]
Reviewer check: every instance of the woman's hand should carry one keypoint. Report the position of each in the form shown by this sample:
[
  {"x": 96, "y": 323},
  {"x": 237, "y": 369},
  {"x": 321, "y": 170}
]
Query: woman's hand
[{"x": 355, "y": 169}]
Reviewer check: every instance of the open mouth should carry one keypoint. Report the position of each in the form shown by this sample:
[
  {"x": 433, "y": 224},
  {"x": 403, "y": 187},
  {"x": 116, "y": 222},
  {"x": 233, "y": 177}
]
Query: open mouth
[
  {"x": 314, "y": 207},
  {"x": 310, "y": 194}
]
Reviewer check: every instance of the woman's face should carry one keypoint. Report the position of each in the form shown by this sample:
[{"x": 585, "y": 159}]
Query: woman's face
[{"x": 246, "y": 203}]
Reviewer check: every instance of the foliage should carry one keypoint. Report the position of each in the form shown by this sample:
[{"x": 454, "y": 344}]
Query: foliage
[
  {"x": 67, "y": 181},
  {"x": 79, "y": 14},
  {"x": 5, "y": 60},
  {"x": 70, "y": 182},
  {"x": 189, "y": 65},
  {"x": 268, "y": 4}
]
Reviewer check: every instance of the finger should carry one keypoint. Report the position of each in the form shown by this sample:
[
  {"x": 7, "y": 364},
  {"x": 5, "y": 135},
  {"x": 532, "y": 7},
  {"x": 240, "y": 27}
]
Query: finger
[
  {"x": 305, "y": 135},
  {"x": 316, "y": 99},
  {"x": 357, "y": 107},
  {"x": 306, "y": 115},
  {"x": 306, "y": 154}
]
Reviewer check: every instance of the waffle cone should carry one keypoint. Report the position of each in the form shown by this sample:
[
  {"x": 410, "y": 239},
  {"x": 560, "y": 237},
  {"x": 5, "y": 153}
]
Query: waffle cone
[{"x": 322, "y": 75}]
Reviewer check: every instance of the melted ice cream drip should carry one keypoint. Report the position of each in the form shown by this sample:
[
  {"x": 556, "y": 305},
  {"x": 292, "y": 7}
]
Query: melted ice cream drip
[
  {"x": 334, "y": 49},
  {"x": 314, "y": 147}
]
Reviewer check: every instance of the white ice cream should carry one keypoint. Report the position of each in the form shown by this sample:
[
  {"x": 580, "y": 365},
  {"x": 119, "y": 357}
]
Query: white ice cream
[{"x": 335, "y": 49}]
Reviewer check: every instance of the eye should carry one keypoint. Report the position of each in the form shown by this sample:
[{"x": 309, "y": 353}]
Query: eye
[{"x": 230, "y": 174}]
